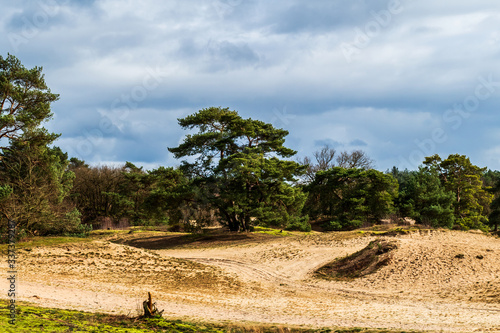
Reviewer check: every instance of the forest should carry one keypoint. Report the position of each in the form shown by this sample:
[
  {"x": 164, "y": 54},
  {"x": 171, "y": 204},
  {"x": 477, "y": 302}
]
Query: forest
[{"x": 233, "y": 171}]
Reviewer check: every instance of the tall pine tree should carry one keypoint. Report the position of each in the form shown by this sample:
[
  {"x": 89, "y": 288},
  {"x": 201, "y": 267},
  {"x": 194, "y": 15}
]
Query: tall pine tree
[{"x": 237, "y": 166}]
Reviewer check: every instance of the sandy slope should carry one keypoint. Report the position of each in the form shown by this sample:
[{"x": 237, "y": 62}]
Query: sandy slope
[{"x": 439, "y": 281}]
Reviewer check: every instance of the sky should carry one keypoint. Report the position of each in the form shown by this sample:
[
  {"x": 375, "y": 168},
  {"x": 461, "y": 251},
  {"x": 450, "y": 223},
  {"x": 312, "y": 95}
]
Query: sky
[{"x": 399, "y": 79}]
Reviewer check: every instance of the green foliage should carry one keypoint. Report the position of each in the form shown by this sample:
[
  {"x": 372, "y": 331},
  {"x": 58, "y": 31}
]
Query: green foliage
[
  {"x": 35, "y": 179},
  {"x": 40, "y": 181},
  {"x": 404, "y": 201},
  {"x": 151, "y": 197},
  {"x": 336, "y": 225},
  {"x": 24, "y": 98},
  {"x": 473, "y": 222},
  {"x": 460, "y": 177},
  {"x": 33, "y": 319},
  {"x": 25, "y": 242},
  {"x": 146, "y": 198},
  {"x": 237, "y": 170},
  {"x": 169, "y": 192},
  {"x": 5, "y": 191},
  {"x": 445, "y": 193},
  {"x": 348, "y": 196},
  {"x": 297, "y": 223},
  {"x": 75, "y": 163},
  {"x": 492, "y": 180},
  {"x": 73, "y": 225},
  {"x": 380, "y": 191},
  {"x": 427, "y": 201}
]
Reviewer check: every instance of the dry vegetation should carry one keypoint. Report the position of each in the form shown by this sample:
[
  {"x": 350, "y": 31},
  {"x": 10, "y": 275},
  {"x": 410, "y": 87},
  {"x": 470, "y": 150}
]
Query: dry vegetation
[
  {"x": 367, "y": 261},
  {"x": 421, "y": 280}
]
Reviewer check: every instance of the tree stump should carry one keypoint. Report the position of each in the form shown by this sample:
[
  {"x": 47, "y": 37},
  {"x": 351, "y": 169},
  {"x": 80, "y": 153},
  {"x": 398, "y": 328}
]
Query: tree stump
[{"x": 150, "y": 309}]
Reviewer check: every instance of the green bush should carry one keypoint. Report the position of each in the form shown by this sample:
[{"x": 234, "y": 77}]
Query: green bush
[
  {"x": 299, "y": 224},
  {"x": 73, "y": 226},
  {"x": 472, "y": 222},
  {"x": 332, "y": 225},
  {"x": 337, "y": 225}
]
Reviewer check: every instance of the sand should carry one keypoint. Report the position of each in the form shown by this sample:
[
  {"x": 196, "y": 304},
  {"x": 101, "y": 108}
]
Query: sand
[{"x": 436, "y": 280}]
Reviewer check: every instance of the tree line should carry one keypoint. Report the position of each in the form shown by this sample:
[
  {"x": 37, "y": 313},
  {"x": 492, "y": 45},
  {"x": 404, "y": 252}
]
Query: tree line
[{"x": 233, "y": 171}]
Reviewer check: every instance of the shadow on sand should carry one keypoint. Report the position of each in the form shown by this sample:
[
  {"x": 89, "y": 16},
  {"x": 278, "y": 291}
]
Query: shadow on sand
[{"x": 173, "y": 241}]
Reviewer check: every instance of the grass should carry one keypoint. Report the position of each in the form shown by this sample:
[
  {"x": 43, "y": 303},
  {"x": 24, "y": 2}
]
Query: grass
[
  {"x": 271, "y": 231},
  {"x": 41, "y": 241},
  {"x": 37, "y": 319},
  {"x": 48, "y": 241},
  {"x": 44, "y": 241}
]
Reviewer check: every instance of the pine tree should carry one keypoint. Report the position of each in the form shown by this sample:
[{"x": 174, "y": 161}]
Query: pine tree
[
  {"x": 459, "y": 176},
  {"x": 348, "y": 197},
  {"x": 237, "y": 168},
  {"x": 432, "y": 203}
]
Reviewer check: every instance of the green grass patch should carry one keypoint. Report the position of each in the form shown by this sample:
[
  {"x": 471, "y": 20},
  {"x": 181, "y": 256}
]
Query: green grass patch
[
  {"x": 271, "y": 231},
  {"x": 47, "y": 241},
  {"x": 104, "y": 233},
  {"x": 35, "y": 319},
  {"x": 392, "y": 231},
  {"x": 44, "y": 241}
]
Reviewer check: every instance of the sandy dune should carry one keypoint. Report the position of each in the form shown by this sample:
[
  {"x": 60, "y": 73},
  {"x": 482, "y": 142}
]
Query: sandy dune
[{"x": 436, "y": 281}]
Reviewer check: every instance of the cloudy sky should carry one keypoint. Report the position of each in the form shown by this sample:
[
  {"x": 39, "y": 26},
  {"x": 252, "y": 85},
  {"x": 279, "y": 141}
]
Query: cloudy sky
[{"x": 400, "y": 80}]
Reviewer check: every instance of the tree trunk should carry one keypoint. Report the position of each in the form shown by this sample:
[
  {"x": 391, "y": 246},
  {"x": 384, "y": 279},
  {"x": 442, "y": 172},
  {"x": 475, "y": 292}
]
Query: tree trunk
[
  {"x": 247, "y": 222},
  {"x": 232, "y": 222},
  {"x": 234, "y": 225}
]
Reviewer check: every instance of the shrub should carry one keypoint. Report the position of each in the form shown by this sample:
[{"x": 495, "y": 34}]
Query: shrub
[
  {"x": 299, "y": 224},
  {"x": 472, "y": 222},
  {"x": 337, "y": 225}
]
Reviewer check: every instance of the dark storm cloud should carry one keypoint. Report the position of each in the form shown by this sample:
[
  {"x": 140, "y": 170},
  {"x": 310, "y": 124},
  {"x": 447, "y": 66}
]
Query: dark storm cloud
[
  {"x": 228, "y": 51},
  {"x": 220, "y": 55},
  {"x": 34, "y": 18},
  {"x": 319, "y": 16},
  {"x": 141, "y": 65}
]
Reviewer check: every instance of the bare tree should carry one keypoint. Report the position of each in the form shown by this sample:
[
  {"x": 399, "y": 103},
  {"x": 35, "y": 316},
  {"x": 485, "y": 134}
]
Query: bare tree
[
  {"x": 325, "y": 159},
  {"x": 356, "y": 159},
  {"x": 91, "y": 188}
]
